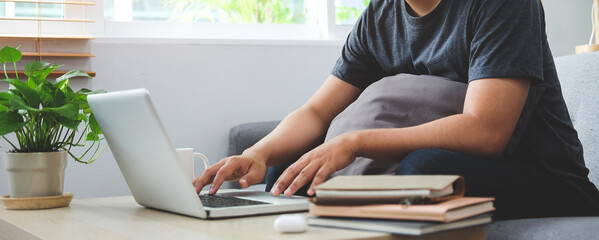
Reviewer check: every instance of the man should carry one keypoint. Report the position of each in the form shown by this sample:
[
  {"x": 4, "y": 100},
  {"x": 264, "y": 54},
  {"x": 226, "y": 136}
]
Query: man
[{"x": 514, "y": 139}]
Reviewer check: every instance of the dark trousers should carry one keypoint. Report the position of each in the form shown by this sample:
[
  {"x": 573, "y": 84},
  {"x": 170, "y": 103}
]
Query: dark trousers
[{"x": 520, "y": 190}]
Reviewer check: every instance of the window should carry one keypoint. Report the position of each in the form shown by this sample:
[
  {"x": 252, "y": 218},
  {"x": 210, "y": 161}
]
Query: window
[
  {"x": 45, "y": 10},
  {"x": 44, "y": 17},
  {"x": 213, "y": 19},
  {"x": 348, "y": 11},
  {"x": 27, "y": 9},
  {"x": 213, "y": 11},
  {"x": 237, "y": 19},
  {"x": 216, "y": 19},
  {"x": 47, "y": 29}
]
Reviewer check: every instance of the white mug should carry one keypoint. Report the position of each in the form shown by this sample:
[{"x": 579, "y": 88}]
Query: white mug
[{"x": 186, "y": 158}]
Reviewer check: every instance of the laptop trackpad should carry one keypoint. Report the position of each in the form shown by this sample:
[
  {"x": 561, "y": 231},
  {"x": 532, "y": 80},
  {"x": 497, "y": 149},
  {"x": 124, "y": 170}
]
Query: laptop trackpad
[{"x": 262, "y": 196}]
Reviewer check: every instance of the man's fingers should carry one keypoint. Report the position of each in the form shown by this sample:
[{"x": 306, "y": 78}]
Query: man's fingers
[
  {"x": 229, "y": 169},
  {"x": 199, "y": 186},
  {"x": 287, "y": 177},
  {"x": 207, "y": 177},
  {"x": 301, "y": 179},
  {"x": 284, "y": 180},
  {"x": 221, "y": 176},
  {"x": 253, "y": 176},
  {"x": 320, "y": 177}
]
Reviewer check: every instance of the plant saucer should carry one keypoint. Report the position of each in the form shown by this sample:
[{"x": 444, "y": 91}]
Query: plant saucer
[{"x": 36, "y": 203}]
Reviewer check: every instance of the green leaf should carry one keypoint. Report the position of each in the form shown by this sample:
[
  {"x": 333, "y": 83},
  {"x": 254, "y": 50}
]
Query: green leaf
[
  {"x": 82, "y": 117},
  {"x": 59, "y": 98},
  {"x": 31, "y": 67},
  {"x": 81, "y": 99},
  {"x": 46, "y": 96},
  {"x": 49, "y": 119},
  {"x": 72, "y": 74},
  {"x": 38, "y": 71},
  {"x": 69, "y": 111},
  {"x": 10, "y": 54},
  {"x": 71, "y": 124},
  {"x": 30, "y": 96},
  {"x": 93, "y": 124},
  {"x": 70, "y": 95},
  {"x": 3, "y": 108},
  {"x": 84, "y": 91},
  {"x": 90, "y": 92},
  {"x": 10, "y": 122},
  {"x": 17, "y": 103},
  {"x": 31, "y": 83},
  {"x": 92, "y": 137},
  {"x": 5, "y": 98},
  {"x": 62, "y": 85},
  {"x": 86, "y": 109}
]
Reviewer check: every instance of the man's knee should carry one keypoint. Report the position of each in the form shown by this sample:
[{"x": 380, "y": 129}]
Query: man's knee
[{"x": 423, "y": 162}]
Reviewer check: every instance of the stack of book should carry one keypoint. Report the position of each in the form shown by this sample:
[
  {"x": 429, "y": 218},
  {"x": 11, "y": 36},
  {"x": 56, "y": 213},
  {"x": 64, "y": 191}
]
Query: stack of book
[{"x": 407, "y": 205}]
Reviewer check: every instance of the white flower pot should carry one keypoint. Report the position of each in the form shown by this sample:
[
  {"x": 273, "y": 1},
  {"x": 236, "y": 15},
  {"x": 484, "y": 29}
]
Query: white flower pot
[{"x": 38, "y": 174}]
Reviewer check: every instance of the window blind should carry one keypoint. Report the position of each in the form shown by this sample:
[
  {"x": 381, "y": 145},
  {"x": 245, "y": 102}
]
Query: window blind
[{"x": 48, "y": 30}]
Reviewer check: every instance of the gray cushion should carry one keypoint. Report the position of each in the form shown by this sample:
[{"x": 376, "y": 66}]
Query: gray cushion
[{"x": 398, "y": 101}]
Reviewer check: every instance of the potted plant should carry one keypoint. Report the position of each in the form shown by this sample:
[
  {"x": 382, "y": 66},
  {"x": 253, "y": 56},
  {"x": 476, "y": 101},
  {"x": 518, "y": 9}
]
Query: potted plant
[{"x": 48, "y": 119}]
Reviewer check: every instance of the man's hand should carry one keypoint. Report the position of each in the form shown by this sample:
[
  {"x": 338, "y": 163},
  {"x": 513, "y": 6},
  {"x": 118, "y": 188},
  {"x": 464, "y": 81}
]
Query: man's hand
[
  {"x": 250, "y": 170},
  {"x": 316, "y": 165}
]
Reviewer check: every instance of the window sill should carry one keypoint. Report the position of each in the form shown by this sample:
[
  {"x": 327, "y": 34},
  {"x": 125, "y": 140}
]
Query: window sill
[
  {"x": 219, "y": 42},
  {"x": 215, "y": 34}
]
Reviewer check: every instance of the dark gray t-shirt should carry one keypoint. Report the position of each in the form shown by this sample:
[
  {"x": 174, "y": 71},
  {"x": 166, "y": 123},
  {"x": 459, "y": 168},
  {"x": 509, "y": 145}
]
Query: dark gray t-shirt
[{"x": 467, "y": 40}]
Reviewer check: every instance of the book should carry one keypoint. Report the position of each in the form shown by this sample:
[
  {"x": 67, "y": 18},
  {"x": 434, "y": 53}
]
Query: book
[
  {"x": 403, "y": 227},
  {"x": 447, "y": 211},
  {"x": 353, "y": 190}
]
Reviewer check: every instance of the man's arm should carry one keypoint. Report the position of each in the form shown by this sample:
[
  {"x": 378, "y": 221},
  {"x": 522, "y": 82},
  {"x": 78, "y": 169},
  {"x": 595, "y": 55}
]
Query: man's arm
[
  {"x": 491, "y": 111},
  {"x": 299, "y": 132},
  {"x": 304, "y": 128}
]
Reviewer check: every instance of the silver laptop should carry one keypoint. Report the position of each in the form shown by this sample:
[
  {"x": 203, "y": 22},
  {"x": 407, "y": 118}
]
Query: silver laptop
[{"x": 149, "y": 164}]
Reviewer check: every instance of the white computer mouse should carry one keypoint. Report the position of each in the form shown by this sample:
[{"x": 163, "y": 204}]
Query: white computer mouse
[{"x": 290, "y": 223}]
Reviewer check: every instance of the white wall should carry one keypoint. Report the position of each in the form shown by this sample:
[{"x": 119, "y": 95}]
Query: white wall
[
  {"x": 202, "y": 88},
  {"x": 568, "y": 24}
]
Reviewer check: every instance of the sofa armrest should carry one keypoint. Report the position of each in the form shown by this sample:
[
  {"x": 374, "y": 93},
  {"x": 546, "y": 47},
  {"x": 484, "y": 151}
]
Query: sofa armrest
[{"x": 243, "y": 136}]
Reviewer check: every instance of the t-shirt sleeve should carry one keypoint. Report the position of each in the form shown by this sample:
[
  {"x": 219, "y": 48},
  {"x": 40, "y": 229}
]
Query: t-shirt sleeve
[
  {"x": 507, "y": 40},
  {"x": 357, "y": 65}
]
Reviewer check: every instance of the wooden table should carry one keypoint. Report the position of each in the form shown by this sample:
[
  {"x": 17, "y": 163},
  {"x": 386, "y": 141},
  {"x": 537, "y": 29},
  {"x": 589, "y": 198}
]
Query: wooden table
[{"x": 123, "y": 218}]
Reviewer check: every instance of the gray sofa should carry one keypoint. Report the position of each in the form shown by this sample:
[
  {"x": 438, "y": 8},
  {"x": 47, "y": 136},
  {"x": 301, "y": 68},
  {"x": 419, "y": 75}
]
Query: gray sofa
[{"x": 579, "y": 75}]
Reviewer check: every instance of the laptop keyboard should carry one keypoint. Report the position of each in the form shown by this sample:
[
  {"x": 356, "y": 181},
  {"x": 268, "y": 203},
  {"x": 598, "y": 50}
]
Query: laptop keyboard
[{"x": 216, "y": 201}]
